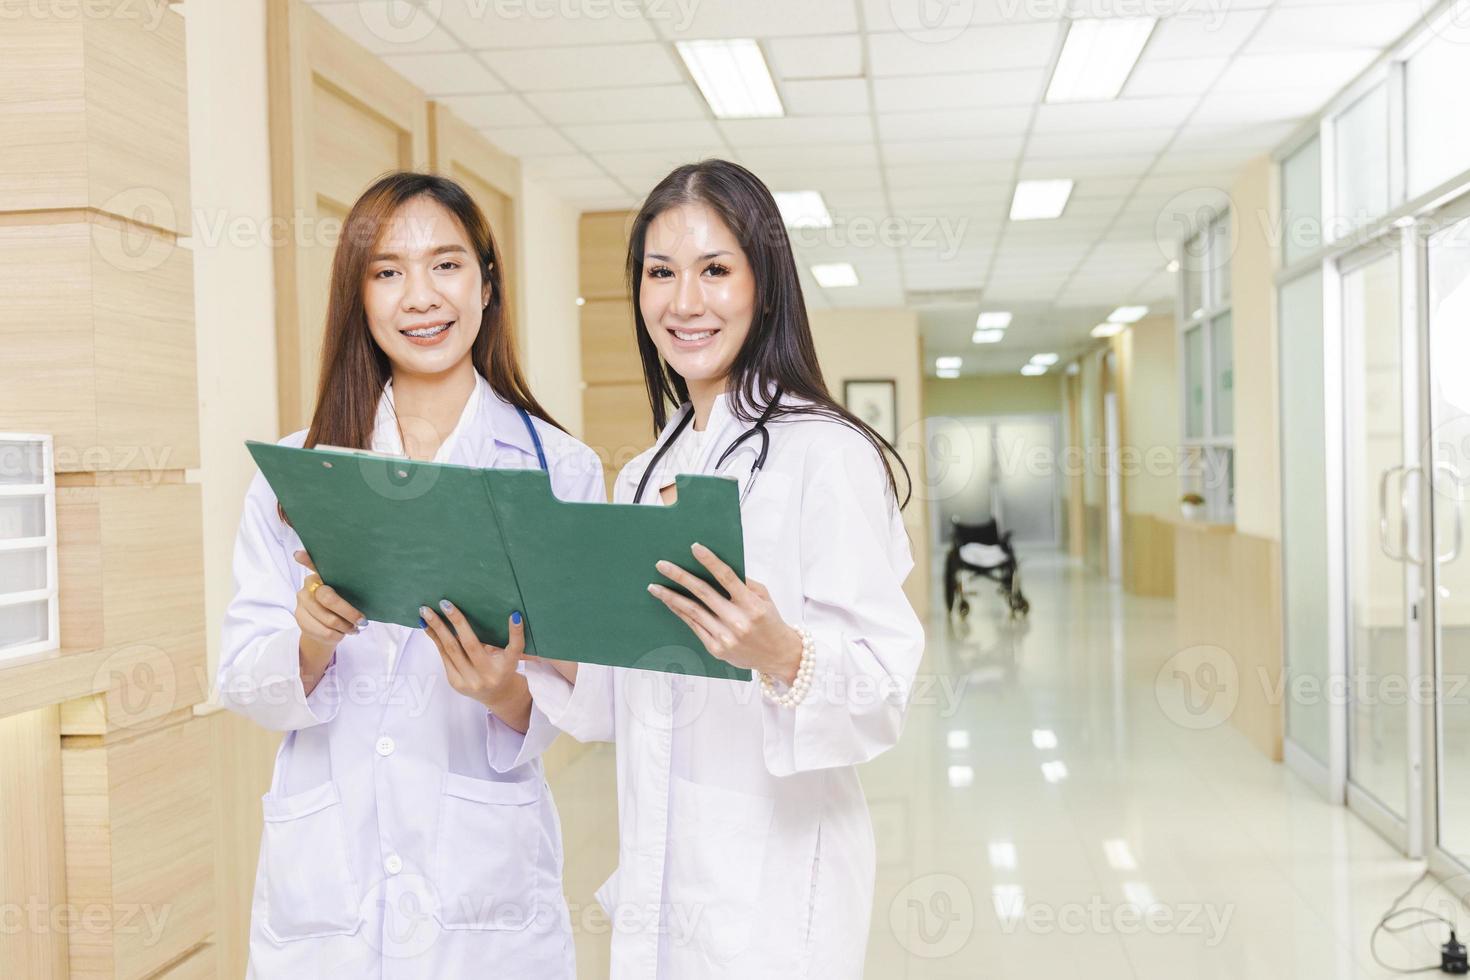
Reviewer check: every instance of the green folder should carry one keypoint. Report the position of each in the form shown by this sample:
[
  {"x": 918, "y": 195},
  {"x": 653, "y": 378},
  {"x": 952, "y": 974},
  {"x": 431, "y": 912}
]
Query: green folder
[{"x": 391, "y": 534}]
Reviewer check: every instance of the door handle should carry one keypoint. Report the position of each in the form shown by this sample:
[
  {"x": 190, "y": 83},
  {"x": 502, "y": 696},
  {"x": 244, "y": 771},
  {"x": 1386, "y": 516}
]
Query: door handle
[
  {"x": 1455, "y": 475},
  {"x": 1383, "y": 514},
  {"x": 1404, "y": 540}
]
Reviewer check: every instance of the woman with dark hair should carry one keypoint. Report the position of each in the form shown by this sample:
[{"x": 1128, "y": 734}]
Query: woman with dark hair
[
  {"x": 746, "y": 846},
  {"x": 408, "y": 828}
]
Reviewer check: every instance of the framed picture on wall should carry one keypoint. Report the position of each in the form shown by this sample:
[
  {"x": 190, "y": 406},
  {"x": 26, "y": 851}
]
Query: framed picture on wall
[{"x": 875, "y": 401}]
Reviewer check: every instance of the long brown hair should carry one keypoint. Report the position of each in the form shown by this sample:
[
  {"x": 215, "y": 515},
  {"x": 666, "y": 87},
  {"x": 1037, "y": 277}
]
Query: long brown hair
[
  {"x": 779, "y": 348},
  {"x": 354, "y": 367}
]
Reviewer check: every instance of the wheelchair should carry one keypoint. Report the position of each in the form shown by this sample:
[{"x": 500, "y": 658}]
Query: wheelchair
[{"x": 982, "y": 551}]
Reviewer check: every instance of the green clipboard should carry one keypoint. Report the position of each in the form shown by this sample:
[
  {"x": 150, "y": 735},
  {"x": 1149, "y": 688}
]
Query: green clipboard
[{"x": 392, "y": 534}]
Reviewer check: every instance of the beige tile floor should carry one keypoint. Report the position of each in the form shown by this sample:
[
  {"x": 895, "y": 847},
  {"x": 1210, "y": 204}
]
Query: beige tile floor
[{"x": 1041, "y": 800}]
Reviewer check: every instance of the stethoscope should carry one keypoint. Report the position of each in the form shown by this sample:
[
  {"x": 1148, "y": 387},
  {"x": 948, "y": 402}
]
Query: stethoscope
[{"x": 759, "y": 430}]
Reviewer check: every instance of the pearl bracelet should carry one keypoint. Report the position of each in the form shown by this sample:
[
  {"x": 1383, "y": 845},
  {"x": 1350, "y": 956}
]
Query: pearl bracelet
[{"x": 803, "y": 683}]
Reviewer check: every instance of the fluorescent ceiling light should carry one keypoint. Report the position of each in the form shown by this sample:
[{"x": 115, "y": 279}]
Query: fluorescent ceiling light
[
  {"x": 1104, "y": 330},
  {"x": 1173, "y": 266},
  {"x": 1097, "y": 58},
  {"x": 947, "y": 373},
  {"x": 959, "y": 739},
  {"x": 1002, "y": 855},
  {"x": 803, "y": 209},
  {"x": 733, "y": 77},
  {"x": 996, "y": 320},
  {"x": 949, "y": 363},
  {"x": 1045, "y": 360},
  {"x": 1054, "y": 771},
  {"x": 987, "y": 336},
  {"x": 1128, "y": 314},
  {"x": 831, "y": 275},
  {"x": 1043, "y": 738},
  {"x": 1032, "y": 370},
  {"x": 1037, "y": 199},
  {"x": 961, "y": 776}
]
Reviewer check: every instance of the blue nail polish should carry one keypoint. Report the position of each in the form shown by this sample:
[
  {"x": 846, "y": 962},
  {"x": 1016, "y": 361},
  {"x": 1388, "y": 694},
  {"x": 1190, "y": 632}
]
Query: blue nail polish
[
  {"x": 444, "y": 605},
  {"x": 423, "y": 625},
  {"x": 515, "y": 618}
]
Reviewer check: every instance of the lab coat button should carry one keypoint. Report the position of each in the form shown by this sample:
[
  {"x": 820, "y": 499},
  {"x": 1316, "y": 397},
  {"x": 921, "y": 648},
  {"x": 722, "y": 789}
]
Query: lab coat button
[
  {"x": 385, "y": 746},
  {"x": 393, "y": 864}
]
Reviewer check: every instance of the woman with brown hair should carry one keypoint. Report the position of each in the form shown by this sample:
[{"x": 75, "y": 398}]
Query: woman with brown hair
[{"x": 409, "y": 831}]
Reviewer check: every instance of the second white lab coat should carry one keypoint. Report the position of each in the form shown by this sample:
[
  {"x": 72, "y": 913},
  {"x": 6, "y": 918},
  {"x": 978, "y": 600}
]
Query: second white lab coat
[
  {"x": 409, "y": 833},
  {"x": 746, "y": 848}
]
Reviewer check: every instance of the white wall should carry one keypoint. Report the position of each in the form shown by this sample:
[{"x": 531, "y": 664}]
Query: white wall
[
  {"x": 234, "y": 286},
  {"x": 553, "y": 355}
]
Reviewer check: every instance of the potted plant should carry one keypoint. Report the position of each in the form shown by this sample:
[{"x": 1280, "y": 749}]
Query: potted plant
[{"x": 1192, "y": 506}]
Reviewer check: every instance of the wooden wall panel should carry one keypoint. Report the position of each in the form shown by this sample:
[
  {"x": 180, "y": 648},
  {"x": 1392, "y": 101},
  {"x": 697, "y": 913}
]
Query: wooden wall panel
[
  {"x": 32, "y": 865},
  {"x": 99, "y": 344},
  {"x": 609, "y": 349},
  {"x": 1148, "y": 555},
  {"x": 1227, "y": 594},
  {"x": 602, "y": 253},
  {"x": 95, "y": 114},
  {"x": 139, "y": 822},
  {"x": 337, "y": 121}
]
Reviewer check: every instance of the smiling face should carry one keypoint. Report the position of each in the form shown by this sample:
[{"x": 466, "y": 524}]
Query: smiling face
[
  {"x": 697, "y": 293},
  {"x": 423, "y": 292}
]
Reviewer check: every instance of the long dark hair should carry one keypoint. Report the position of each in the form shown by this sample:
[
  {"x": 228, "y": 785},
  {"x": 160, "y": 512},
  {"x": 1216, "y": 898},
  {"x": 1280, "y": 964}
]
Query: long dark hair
[
  {"x": 779, "y": 349},
  {"x": 354, "y": 367}
]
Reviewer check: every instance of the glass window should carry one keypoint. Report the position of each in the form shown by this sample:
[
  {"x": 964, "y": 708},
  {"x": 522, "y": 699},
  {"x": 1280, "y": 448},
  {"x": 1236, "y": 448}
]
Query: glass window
[
  {"x": 1362, "y": 161},
  {"x": 1193, "y": 263},
  {"x": 1222, "y": 371},
  {"x": 1218, "y": 270},
  {"x": 1194, "y": 382},
  {"x": 1303, "y": 517},
  {"x": 1301, "y": 202},
  {"x": 1436, "y": 80}
]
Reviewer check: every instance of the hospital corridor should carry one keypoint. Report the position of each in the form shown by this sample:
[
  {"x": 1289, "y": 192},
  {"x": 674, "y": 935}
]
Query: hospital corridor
[{"x": 734, "y": 489}]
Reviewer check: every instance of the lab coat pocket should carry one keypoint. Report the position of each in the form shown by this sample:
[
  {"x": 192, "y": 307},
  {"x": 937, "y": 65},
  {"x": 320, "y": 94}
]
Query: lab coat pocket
[
  {"x": 717, "y": 850},
  {"x": 310, "y": 889},
  {"x": 489, "y": 846}
]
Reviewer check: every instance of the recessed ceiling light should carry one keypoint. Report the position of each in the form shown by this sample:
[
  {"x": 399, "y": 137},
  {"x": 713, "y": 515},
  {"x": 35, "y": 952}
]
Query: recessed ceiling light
[
  {"x": 581, "y": 301},
  {"x": 1038, "y": 199},
  {"x": 1032, "y": 370},
  {"x": 832, "y": 275},
  {"x": 733, "y": 77},
  {"x": 948, "y": 374},
  {"x": 1128, "y": 314},
  {"x": 803, "y": 209},
  {"x": 949, "y": 363},
  {"x": 987, "y": 336},
  {"x": 1105, "y": 330},
  {"x": 1097, "y": 58},
  {"x": 1173, "y": 266},
  {"x": 1044, "y": 738},
  {"x": 1045, "y": 360},
  {"x": 995, "y": 319}
]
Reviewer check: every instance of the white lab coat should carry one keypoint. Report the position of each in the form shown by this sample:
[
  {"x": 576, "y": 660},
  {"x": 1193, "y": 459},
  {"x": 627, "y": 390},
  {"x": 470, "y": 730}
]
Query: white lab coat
[
  {"x": 746, "y": 846},
  {"x": 409, "y": 833}
]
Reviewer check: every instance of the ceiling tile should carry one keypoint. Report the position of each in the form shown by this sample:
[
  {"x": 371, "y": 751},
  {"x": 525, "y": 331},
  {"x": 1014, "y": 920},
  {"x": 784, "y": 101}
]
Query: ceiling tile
[
  {"x": 651, "y": 166},
  {"x": 1372, "y": 25},
  {"x": 954, "y": 123},
  {"x": 814, "y": 159},
  {"x": 1041, "y": 168},
  {"x": 643, "y": 135},
  {"x": 977, "y": 49},
  {"x": 1305, "y": 69},
  {"x": 1017, "y": 87},
  {"x": 790, "y": 129},
  {"x": 445, "y": 73},
  {"x": 1084, "y": 117},
  {"x": 1003, "y": 149},
  {"x": 559, "y": 166},
  {"x": 587, "y": 187},
  {"x": 487, "y": 24},
  {"x": 1085, "y": 144},
  {"x": 529, "y": 141},
  {"x": 825, "y": 96},
  {"x": 609, "y": 105},
  {"x": 1155, "y": 77},
  {"x": 1215, "y": 35},
  {"x": 752, "y": 18},
  {"x": 961, "y": 175},
  {"x": 490, "y": 111},
  {"x": 553, "y": 69},
  {"x": 389, "y": 26},
  {"x": 834, "y": 56},
  {"x": 1241, "y": 108}
]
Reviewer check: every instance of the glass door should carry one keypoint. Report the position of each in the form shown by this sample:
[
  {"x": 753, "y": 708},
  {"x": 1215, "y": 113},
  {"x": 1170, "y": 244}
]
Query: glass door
[
  {"x": 1381, "y": 506},
  {"x": 1447, "y": 261}
]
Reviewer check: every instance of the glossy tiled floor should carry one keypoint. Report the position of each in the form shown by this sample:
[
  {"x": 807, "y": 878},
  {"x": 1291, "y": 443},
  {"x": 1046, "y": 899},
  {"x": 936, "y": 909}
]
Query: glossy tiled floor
[{"x": 1044, "y": 818}]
